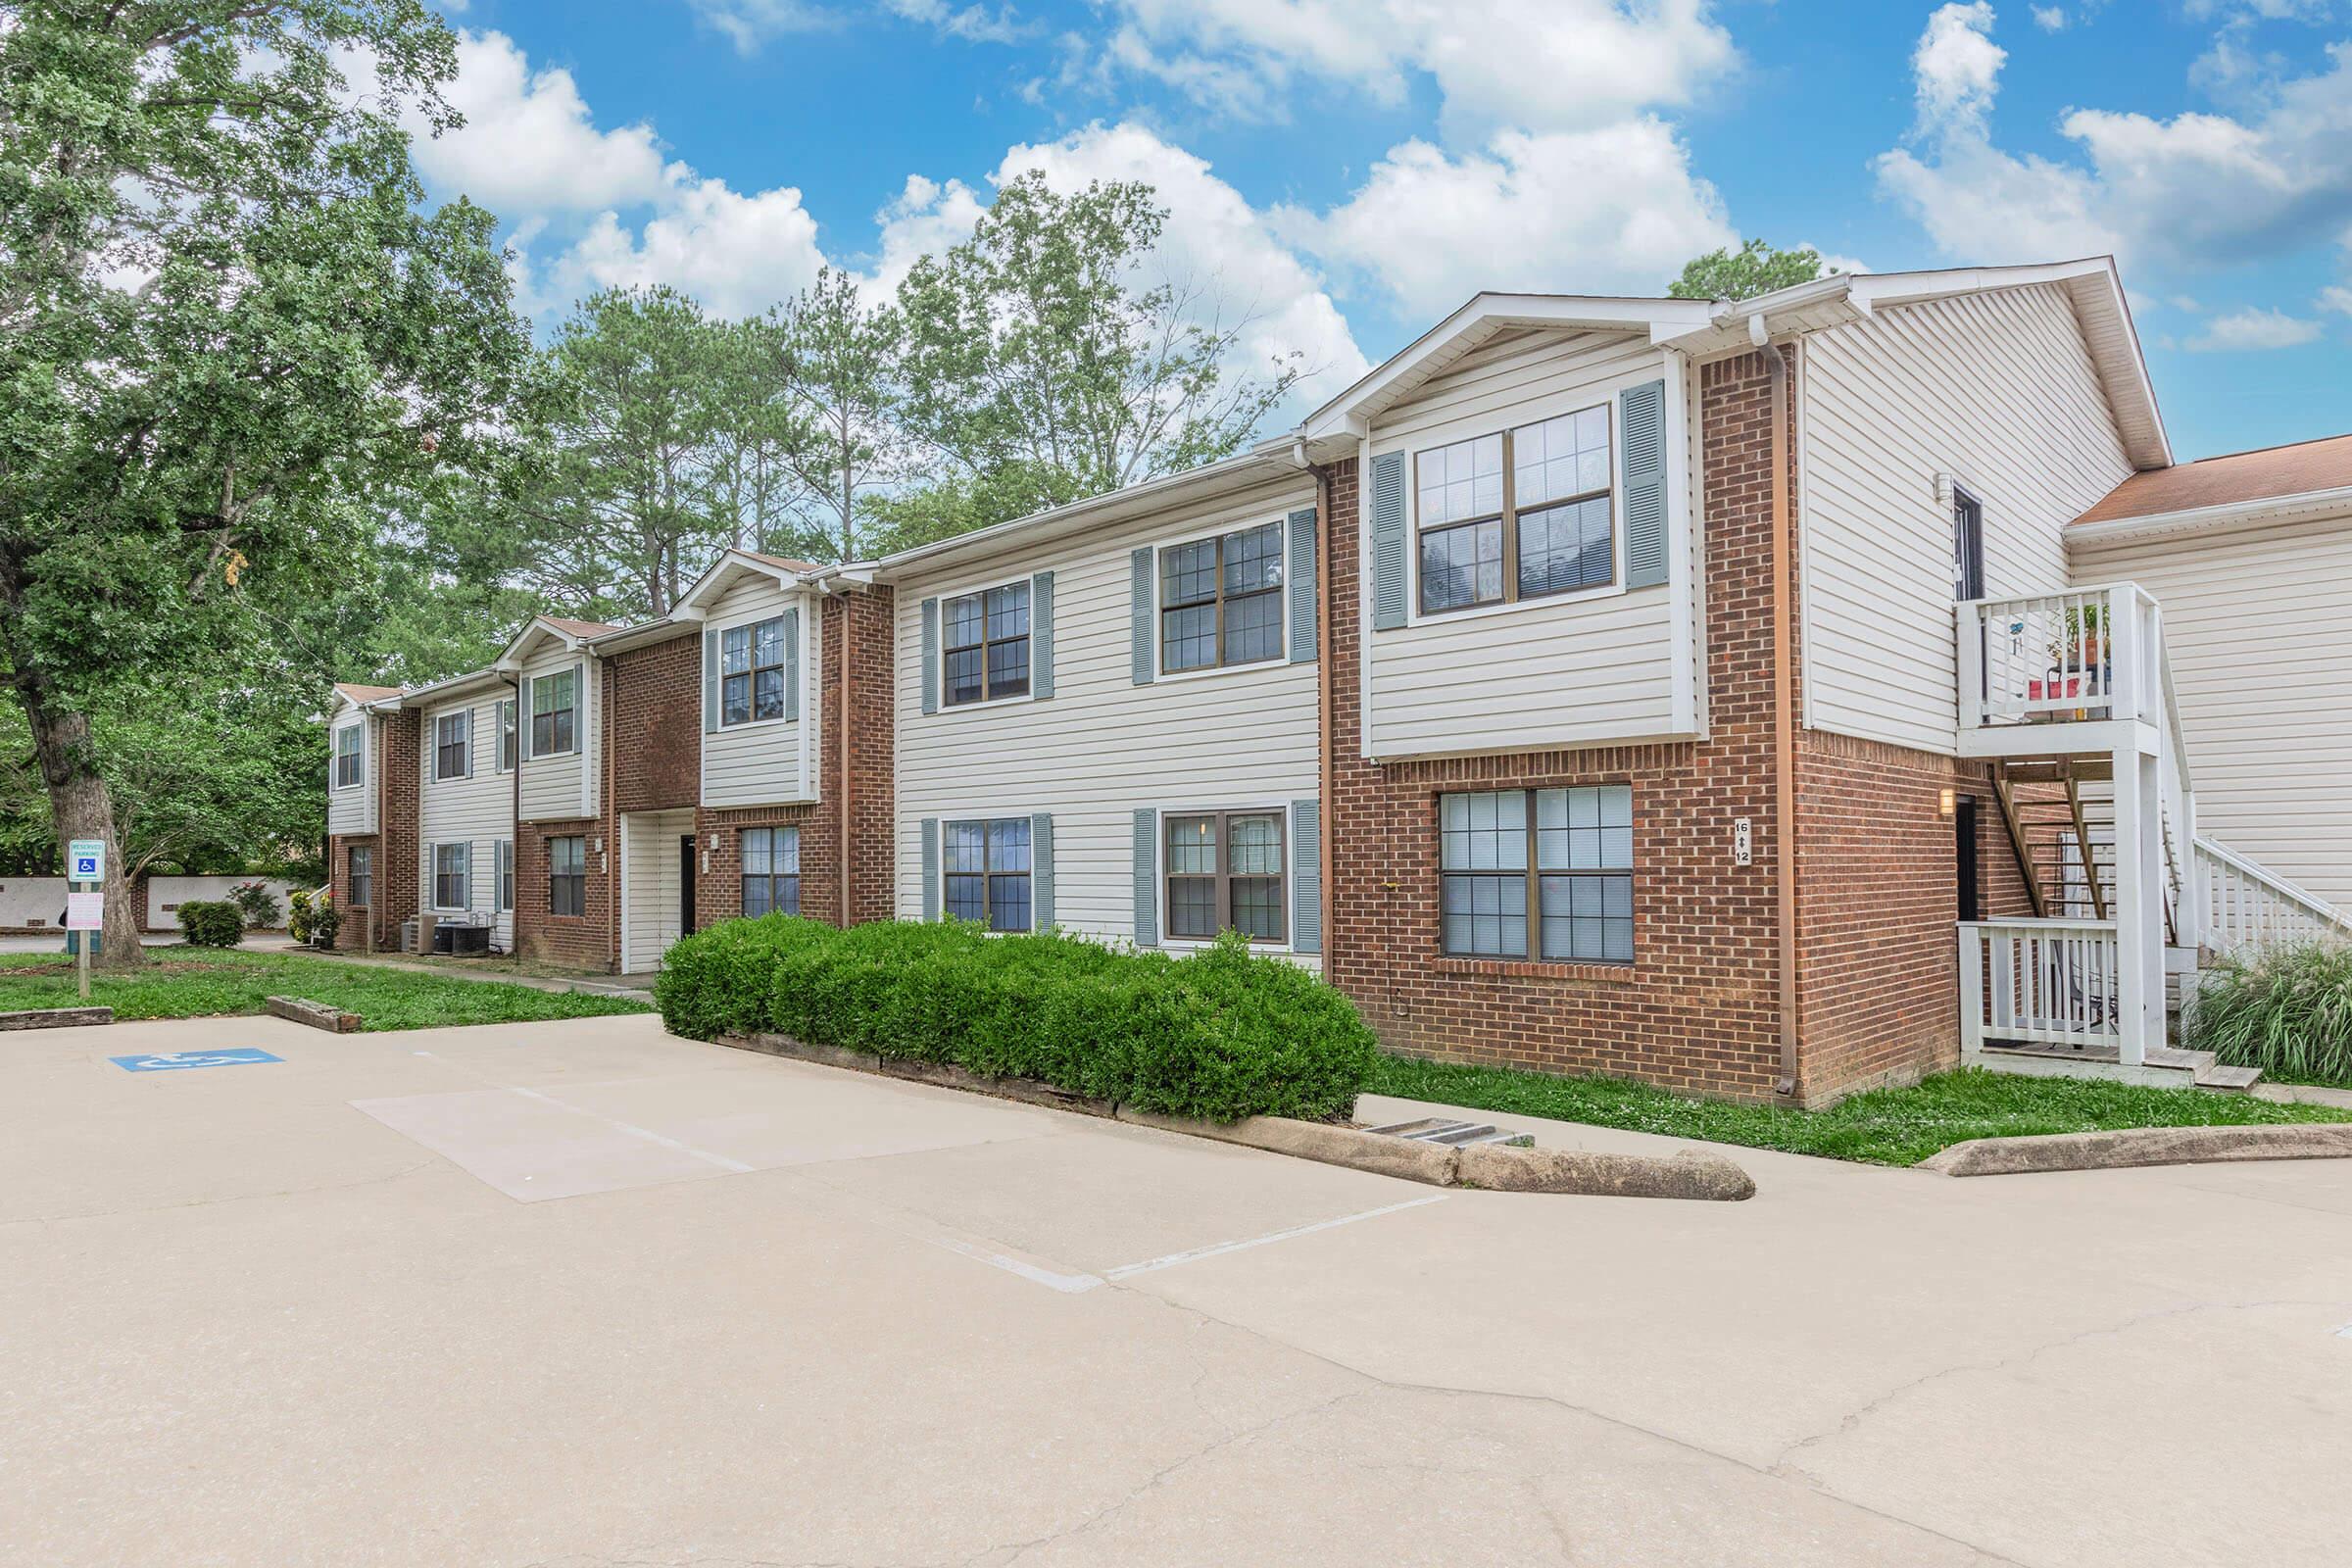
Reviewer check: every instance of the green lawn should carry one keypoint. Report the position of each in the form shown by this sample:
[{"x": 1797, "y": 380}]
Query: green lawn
[
  {"x": 1884, "y": 1127},
  {"x": 181, "y": 982}
]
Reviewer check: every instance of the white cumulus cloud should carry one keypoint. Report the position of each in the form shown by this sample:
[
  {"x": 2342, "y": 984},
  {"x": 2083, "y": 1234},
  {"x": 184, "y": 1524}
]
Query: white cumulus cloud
[{"x": 2255, "y": 329}]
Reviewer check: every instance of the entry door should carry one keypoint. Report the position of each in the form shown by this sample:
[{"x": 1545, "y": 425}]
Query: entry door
[
  {"x": 1964, "y": 826},
  {"x": 1968, "y": 546},
  {"x": 686, "y": 884}
]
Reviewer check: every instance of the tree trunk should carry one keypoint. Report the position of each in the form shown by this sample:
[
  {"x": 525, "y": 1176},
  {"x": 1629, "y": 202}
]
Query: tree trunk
[{"x": 81, "y": 809}]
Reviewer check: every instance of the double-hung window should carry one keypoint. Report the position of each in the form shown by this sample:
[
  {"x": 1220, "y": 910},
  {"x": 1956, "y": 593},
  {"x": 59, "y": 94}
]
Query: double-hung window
[
  {"x": 1226, "y": 869},
  {"x": 453, "y": 744},
  {"x": 347, "y": 757},
  {"x": 988, "y": 872},
  {"x": 751, "y": 673},
  {"x": 506, "y": 735},
  {"x": 986, "y": 645},
  {"x": 1220, "y": 600},
  {"x": 453, "y": 876},
  {"x": 567, "y": 875},
  {"x": 772, "y": 870},
  {"x": 1518, "y": 515},
  {"x": 360, "y": 880},
  {"x": 1567, "y": 855},
  {"x": 555, "y": 707},
  {"x": 505, "y": 873}
]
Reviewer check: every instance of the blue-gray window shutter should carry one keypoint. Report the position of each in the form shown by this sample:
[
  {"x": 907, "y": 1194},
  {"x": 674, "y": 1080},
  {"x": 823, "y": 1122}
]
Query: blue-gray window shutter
[
  {"x": 579, "y": 707},
  {"x": 1641, "y": 422},
  {"x": 709, "y": 683},
  {"x": 1306, "y": 877},
  {"x": 522, "y": 721},
  {"x": 472, "y": 738},
  {"x": 1147, "y": 877},
  {"x": 1041, "y": 637},
  {"x": 1302, "y": 586},
  {"x": 1387, "y": 541},
  {"x": 930, "y": 867},
  {"x": 1041, "y": 872},
  {"x": 1142, "y": 656},
  {"x": 792, "y": 664},
  {"x": 930, "y": 655}
]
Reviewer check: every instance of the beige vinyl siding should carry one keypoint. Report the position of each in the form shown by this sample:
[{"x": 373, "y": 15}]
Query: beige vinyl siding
[
  {"x": 1586, "y": 669},
  {"x": 1997, "y": 391},
  {"x": 2258, "y": 623},
  {"x": 655, "y": 891},
  {"x": 352, "y": 811},
  {"x": 557, "y": 788},
  {"x": 760, "y": 763},
  {"x": 477, "y": 810},
  {"x": 1102, "y": 747}
]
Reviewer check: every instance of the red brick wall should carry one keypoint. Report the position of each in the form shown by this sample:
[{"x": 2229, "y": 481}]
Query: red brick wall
[
  {"x": 584, "y": 940},
  {"x": 351, "y": 935},
  {"x": 1699, "y": 1007},
  {"x": 653, "y": 725},
  {"x": 400, "y": 753}
]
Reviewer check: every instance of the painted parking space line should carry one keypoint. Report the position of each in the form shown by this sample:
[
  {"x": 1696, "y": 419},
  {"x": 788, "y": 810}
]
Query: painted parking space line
[
  {"x": 1219, "y": 1250},
  {"x": 182, "y": 1060},
  {"x": 627, "y": 1129}
]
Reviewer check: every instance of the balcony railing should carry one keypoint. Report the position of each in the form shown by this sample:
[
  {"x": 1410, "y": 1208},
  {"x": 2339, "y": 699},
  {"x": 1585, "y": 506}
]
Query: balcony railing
[
  {"x": 2248, "y": 910},
  {"x": 2073, "y": 657},
  {"x": 2040, "y": 983}
]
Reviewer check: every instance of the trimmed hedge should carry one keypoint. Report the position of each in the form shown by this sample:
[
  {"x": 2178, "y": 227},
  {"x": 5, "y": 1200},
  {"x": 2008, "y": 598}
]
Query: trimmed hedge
[
  {"x": 212, "y": 923},
  {"x": 1220, "y": 1035}
]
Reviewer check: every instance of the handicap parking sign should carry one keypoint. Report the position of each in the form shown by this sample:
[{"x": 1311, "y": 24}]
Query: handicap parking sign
[
  {"x": 85, "y": 860},
  {"x": 176, "y": 1060}
]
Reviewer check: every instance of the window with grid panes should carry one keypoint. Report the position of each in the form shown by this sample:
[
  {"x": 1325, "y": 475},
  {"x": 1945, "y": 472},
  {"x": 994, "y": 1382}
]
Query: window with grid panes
[
  {"x": 751, "y": 673},
  {"x": 986, "y": 865},
  {"x": 453, "y": 876},
  {"x": 453, "y": 745},
  {"x": 986, "y": 645},
  {"x": 1521, "y": 513},
  {"x": 567, "y": 875},
  {"x": 772, "y": 870},
  {"x": 554, "y": 701},
  {"x": 1226, "y": 869},
  {"x": 1565, "y": 856},
  {"x": 1221, "y": 599},
  {"x": 347, "y": 757}
]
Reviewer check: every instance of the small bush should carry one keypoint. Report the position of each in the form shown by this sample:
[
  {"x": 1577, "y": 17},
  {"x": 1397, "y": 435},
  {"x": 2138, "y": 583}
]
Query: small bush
[
  {"x": 212, "y": 923},
  {"x": 257, "y": 903},
  {"x": 326, "y": 923},
  {"x": 2289, "y": 1013},
  {"x": 298, "y": 914},
  {"x": 1222, "y": 1035}
]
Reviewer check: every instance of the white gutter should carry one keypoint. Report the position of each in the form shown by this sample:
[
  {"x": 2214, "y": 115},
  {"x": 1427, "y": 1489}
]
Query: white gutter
[{"x": 2194, "y": 519}]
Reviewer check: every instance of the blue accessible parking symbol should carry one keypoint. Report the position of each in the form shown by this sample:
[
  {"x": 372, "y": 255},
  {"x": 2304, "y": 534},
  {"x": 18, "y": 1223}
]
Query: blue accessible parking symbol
[{"x": 176, "y": 1060}]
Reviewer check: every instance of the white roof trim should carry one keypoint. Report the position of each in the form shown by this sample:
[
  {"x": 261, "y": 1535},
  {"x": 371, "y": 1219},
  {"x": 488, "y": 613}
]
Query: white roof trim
[
  {"x": 539, "y": 627},
  {"x": 443, "y": 690},
  {"x": 1481, "y": 319},
  {"x": 2335, "y": 501},
  {"x": 693, "y": 603}
]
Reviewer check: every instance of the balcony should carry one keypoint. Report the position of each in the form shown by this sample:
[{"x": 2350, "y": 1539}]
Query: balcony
[{"x": 2080, "y": 656}]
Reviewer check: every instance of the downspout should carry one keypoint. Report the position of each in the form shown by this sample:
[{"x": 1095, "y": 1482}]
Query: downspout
[
  {"x": 1327, "y": 809},
  {"x": 1784, "y": 708},
  {"x": 513, "y": 829},
  {"x": 847, "y": 600}
]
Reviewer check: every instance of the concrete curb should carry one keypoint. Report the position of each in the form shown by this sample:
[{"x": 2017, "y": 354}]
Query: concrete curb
[
  {"x": 2142, "y": 1146},
  {"x": 1486, "y": 1167},
  {"x": 316, "y": 1014},
  {"x": 55, "y": 1017}
]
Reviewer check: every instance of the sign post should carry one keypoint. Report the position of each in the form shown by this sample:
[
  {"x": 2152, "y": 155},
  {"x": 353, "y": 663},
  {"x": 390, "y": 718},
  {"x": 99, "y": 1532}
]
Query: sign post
[{"x": 85, "y": 899}]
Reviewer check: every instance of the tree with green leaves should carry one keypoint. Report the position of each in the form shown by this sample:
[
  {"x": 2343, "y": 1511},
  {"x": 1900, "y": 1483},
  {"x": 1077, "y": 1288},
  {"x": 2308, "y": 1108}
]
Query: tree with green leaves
[
  {"x": 1044, "y": 362},
  {"x": 1755, "y": 269},
  {"x": 841, "y": 363},
  {"x": 229, "y": 327}
]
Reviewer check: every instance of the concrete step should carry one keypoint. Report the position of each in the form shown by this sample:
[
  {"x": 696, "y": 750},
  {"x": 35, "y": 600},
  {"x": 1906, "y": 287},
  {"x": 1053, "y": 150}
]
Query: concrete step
[
  {"x": 2236, "y": 1079},
  {"x": 1454, "y": 1134}
]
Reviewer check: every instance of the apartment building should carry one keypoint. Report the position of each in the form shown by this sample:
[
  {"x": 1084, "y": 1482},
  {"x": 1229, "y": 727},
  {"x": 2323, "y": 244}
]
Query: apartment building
[{"x": 1698, "y": 692}]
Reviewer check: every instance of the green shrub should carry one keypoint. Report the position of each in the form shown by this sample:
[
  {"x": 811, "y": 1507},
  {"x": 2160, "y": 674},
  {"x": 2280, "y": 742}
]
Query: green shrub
[
  {"x": 1222, "y": 1035},
  {"x": 2289, "y": 1013},
  {"x": 298, "y": 914},
  {"x": 257, "y": 903},
  {"x": 212, "y": 923}
]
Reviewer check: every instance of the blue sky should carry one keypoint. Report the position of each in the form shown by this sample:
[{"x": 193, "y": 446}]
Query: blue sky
[{"x": 1342, "y": 171}]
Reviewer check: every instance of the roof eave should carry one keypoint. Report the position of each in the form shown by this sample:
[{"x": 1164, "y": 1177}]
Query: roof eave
[{"x": 2334, "y": 501}]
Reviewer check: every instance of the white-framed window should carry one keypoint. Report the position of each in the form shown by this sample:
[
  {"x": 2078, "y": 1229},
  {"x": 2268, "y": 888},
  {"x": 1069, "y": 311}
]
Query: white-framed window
[
  {"x": 349, "y": 761},
  {"x": 555, "y": 713},
  {"x": 505, "y": 734},
  {"x": 1559, "y": 861},
  {"x": 771, "y": 871},
  {"x": 1221, "y": 599},
  {"x": 752, "y": 665},
  {"x": 1525, "y": 513},
  {"x": 453, "y": 745},
  {"x": 360, "y": 877},
  {"x": 453, "y": 876},
  {"x": 567, "y": 875},
  {"x": 506, "y": 874},
  {"x": 1226, "y": 870},
  {"x": 984, "y": 645},
  {"x": 986, "y": 867}
]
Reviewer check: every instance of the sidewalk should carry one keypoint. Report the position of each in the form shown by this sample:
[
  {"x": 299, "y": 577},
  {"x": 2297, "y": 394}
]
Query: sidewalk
[{"x": 635, "y": 986}]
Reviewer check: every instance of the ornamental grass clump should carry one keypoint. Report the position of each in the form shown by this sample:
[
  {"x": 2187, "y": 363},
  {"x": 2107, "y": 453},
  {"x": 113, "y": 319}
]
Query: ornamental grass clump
[
  {"x": 2290, "y": 1014},
  {"x": 1221, "y": 1035}
]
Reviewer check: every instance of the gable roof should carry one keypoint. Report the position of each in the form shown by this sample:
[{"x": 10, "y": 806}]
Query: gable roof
[
  {"x": 361, "y": 695},
  {"x": 571, "y": 634},
  {"x": 2309, "y": 475},
  {"x": 730, "y": 567}
]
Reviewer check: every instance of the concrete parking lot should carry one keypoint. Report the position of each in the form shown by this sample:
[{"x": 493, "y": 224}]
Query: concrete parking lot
[{"x": 582, "y": 1294}]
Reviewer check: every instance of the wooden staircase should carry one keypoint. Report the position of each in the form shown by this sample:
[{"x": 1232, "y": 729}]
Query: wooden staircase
[{"x": 2063, "y": 834}]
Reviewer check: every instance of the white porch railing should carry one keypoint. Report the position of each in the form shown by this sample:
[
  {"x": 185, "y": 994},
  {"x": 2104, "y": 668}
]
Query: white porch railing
[
  {"x": 2040, "y": 982},
  {"x": 2248, "y": 910},
  {"x": 2080, "y": 654}
]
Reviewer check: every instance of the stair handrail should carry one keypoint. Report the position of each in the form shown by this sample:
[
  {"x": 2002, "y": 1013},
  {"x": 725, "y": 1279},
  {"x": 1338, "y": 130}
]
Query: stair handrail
[
  {"x": 2186, "y": 886},
  {"x": 2274, "y": 884}
]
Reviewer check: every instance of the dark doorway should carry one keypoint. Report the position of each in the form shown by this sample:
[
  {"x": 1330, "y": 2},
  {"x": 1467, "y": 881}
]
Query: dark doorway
[
  {"x": 686, "y": 884},
  {"x": 1964, "y": 834},
  {"x": 1968, "y": 546}
]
